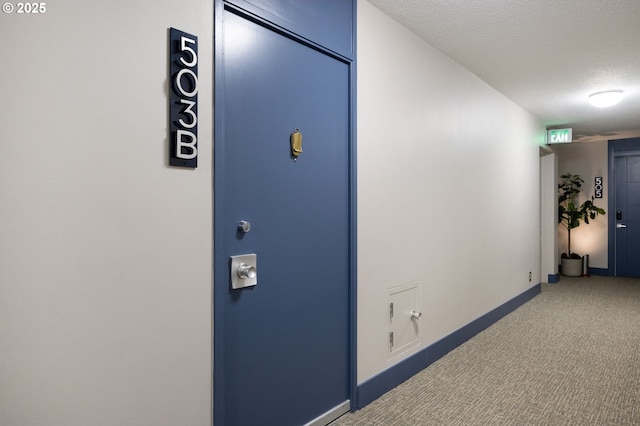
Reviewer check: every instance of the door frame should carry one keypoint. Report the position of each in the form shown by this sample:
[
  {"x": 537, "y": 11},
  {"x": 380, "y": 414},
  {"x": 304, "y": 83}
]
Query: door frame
[
  {"x": 548, "y": 166},
  {"x": 219, "y": 174}
]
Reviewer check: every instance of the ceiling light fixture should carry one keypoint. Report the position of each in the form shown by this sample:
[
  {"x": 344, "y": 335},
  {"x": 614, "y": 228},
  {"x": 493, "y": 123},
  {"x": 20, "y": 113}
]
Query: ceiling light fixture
[{"x": 605, "y": 99}]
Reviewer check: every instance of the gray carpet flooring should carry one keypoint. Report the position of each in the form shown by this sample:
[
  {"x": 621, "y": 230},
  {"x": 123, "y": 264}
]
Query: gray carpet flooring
[{"x": 570, "y": 356}]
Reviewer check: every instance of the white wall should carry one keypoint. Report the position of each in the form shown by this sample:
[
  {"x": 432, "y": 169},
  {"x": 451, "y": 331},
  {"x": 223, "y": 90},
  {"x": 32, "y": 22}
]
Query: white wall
[
  {"x": 105, "y": 252},
  {"x": 588, "y": 159},
  {"x": 448, "y": 189}
]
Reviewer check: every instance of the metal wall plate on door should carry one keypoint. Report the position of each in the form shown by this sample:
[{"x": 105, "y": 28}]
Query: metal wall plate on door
[{"x": 244, "y": 271}]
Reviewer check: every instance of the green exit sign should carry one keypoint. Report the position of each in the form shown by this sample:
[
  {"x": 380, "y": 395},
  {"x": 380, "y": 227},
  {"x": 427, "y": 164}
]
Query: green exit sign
[{"x": 559, "y": 136}]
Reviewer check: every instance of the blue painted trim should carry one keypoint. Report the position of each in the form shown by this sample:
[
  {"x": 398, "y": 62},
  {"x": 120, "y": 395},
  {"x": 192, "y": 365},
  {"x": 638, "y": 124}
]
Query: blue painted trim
[
  {"x": 277, "y": 24},
  {"x": 392, "y": 377},
  {"x": 553, "y": 278},
  {"x": 601, "y": 272},
  {"x": 219, "y": 263},
  {"x": 353, "y": 218},
  {"x": 611, "y": 206}
]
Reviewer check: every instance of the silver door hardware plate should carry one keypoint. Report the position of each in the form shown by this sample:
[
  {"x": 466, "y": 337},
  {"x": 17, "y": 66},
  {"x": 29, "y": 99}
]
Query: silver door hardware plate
[{"x": 244, "y": 271}]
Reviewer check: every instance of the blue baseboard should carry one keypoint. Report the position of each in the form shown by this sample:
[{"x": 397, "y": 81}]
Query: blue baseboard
[
  {"x": 380, "y": 384},
  {"x": 553, "y": 278},
  {"x": 601, "y": 272}
]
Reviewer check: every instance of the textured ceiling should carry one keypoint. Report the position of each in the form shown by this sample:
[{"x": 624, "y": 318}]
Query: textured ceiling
[{"x": 545, "y": 55}]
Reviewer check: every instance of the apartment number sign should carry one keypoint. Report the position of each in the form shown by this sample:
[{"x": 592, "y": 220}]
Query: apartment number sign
[
  {"x": 183, "y": 99},
  {"x": 598, "y": 187}
]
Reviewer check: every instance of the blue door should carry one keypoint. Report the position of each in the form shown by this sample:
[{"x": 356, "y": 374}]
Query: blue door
[
  {"x": 281, "y": 347},
  {"x": 627, "y": 215}
]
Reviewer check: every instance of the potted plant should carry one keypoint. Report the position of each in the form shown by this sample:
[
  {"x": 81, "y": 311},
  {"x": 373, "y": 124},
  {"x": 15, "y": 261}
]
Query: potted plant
[{"x": 570, "y": 214}]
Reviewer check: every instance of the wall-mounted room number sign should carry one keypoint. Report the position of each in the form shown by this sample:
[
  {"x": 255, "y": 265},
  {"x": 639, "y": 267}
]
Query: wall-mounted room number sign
[
  {"x": 183, "y": 99},
  {"x": 598, "y": 187}
]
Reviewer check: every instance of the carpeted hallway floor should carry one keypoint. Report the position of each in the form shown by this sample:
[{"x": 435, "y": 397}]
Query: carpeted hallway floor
[{"x": 570, "y": 356}]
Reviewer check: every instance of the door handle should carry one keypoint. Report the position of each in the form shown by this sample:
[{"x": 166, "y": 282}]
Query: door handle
[
  {"x": 620, "y": 225},
  {"x": 244, "y": 271}
]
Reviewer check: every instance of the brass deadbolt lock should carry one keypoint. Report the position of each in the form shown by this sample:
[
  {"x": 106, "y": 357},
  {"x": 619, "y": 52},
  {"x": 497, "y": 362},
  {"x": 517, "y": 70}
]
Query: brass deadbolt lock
[{"x": 296, "y": 143}]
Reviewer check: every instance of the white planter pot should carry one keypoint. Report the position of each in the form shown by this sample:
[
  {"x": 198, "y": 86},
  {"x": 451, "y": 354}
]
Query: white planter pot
[{"x": 572, "y": 267}]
